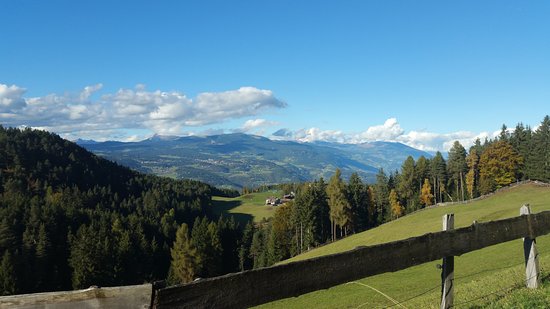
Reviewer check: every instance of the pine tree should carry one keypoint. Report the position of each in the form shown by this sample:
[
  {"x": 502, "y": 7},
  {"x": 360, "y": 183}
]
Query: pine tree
[
  {"x": 438, "y": 173},
  {"x": 381, "y": 193},
  {"x": 184, "y": 264},
  {"x": 457, "y": 168},
  {"x": 521, "y": 141},
  {"x": 359, "y": 201},
  {"x": 422, "y": 171},
  {"x": 407, "y": 185},
  {"x": 245, "y": 262},
  {"x": 7, "y": 275},
  {"x": 539, "y": 167},
  {"x": 257, "y": 249}
]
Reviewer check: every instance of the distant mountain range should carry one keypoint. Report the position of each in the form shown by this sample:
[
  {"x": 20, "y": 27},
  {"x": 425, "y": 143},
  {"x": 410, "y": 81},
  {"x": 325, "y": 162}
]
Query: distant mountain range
[{"x": 237, "y": 160}]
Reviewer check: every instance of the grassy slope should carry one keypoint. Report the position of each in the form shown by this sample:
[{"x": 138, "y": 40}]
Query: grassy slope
[
  {"x": 246, "y": 207},
  {"x": 476, "y": 274}
]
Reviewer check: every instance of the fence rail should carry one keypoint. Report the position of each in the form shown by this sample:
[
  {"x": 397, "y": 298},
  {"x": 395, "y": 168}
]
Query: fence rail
[{"x": 264, "y": 285}]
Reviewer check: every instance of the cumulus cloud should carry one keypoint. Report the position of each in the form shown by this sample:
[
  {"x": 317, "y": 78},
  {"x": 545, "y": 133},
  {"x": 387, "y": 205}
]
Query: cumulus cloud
[
  {"x": 390, "y": 131},
  {"x": 316, "y": 134},
  {"x": 11, "y": 98},
  {"x": 163, "y": 112}
]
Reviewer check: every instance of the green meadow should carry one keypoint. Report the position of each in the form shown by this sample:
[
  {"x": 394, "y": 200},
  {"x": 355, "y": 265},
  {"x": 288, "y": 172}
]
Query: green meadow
[
  {"x": 491, "y": 277},
  {"x": 246, "y": 207}
]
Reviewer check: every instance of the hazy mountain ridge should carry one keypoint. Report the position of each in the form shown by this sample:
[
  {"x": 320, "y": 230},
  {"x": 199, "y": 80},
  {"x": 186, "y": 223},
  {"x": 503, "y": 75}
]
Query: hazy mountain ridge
[{"x": 239, "y": 159}]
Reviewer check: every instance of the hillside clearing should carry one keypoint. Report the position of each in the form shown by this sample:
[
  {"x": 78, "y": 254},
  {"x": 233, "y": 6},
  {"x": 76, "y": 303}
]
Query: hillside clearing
[
  {"x": 496, "y": 268},
  {"x": 246, "y": 207}
]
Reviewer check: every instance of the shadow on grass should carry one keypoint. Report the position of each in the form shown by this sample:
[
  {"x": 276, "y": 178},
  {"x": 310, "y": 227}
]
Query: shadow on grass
[{"x": 223, "y": 208}]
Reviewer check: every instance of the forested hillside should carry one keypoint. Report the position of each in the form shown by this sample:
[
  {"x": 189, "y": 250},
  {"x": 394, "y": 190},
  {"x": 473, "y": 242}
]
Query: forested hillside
[
  {"x": 69, "y": 219},
  {"x": 325, "y": 211}
]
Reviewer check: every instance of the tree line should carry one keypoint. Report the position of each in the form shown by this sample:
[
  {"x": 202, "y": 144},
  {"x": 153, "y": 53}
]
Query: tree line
[{"x": 325, "y": 211}]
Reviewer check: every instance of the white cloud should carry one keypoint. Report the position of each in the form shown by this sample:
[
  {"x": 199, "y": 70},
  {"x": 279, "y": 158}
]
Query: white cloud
[
  {"x": 132, "y": 109},
  {"x": 11, "y": 98},
  {"x": 316, "y": 134},
  {"x": 390, "y": 131},
  {"x": 253, "y": 124}
]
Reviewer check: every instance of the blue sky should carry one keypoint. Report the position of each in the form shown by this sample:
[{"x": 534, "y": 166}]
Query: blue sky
[{"x": 420, "y": 72}]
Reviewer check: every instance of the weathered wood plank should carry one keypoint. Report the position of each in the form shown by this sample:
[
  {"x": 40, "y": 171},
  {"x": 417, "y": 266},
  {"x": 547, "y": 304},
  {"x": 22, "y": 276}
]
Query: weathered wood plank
[
  {"x": 532, "y": 270},
  {"x": 448, "y": 269},
  {"x": 259, "y": 286},
  {"x": 130, "y": 297}
]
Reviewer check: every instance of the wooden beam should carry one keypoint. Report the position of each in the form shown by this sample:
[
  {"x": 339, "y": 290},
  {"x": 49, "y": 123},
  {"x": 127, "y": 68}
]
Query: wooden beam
[
  {"x": 447, "y": 271},
  {"x": 532, "y": 270},
  {"x": 264, "y": 285}
]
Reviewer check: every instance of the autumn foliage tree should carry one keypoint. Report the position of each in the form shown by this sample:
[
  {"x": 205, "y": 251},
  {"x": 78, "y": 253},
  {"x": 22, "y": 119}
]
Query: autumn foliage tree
[
  {"x": 340, "y": 208},
  {"x": 472, "y": 177},
  {"x": 498, "y": 166},
  {"x": 426, "y": 196},
  {"x": 397, "y": 209}
]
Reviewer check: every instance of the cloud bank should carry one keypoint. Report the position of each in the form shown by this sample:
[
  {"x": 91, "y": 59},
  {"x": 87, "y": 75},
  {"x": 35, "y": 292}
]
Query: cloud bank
[
  {"x": 162, "y": 112},
  {"x": 87, "y": 114},
  {"x": 390, "y": 131}
]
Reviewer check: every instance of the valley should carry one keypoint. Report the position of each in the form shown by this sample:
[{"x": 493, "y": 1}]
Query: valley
[{"x": 241, "y": 160}]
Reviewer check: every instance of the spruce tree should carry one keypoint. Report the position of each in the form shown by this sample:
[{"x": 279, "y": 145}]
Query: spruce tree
[
  {"x": 7, "y": 275},
  {"x": 540, "y": 152},
  {"x": 184, "y": 264},
  {"x": 407, "y": 184},
  {"x": 438, "y": 173},
  {"x": 457, "y": 169},
  {"x": 359, "y": 201},
  {"x": 381, "y": 193}
]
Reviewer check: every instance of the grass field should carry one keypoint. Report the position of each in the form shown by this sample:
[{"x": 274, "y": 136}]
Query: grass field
[
  {"x": 246, "y": 207},
  {"x": 487, "y": 277}
]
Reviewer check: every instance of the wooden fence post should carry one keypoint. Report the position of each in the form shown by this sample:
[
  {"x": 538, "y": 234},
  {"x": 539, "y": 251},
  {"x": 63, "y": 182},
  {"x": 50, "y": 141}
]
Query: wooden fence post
[
  {"x": 532, "y": 273},
  {"x": 447, "y": 273}
]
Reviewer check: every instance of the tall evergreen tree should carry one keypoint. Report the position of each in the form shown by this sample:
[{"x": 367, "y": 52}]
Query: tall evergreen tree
[
  {"x": 521, "y": 141},
  {"x": 407, "y": 184},
  {"x": 7, "y": 274},
  {"x": 340, "y": 208},
  {"x": 381, "y": 197},
  {"x": 359, "y": 201},
  {"x": 422, "y": 171},
  {"x": 539, "y": 167},
  {"x": 438, "y": 173},
  {"x": 184, "y": 261},
  {"x": 457, "y": 169}
]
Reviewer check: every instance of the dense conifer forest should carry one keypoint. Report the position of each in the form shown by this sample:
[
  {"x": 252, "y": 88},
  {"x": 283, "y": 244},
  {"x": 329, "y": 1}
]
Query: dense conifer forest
[{"x": 69, "y": 219}]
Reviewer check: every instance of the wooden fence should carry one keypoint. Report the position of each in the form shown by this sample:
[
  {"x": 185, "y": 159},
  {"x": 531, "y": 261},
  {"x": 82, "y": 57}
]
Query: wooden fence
[{"x": 264, "y": 285}]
